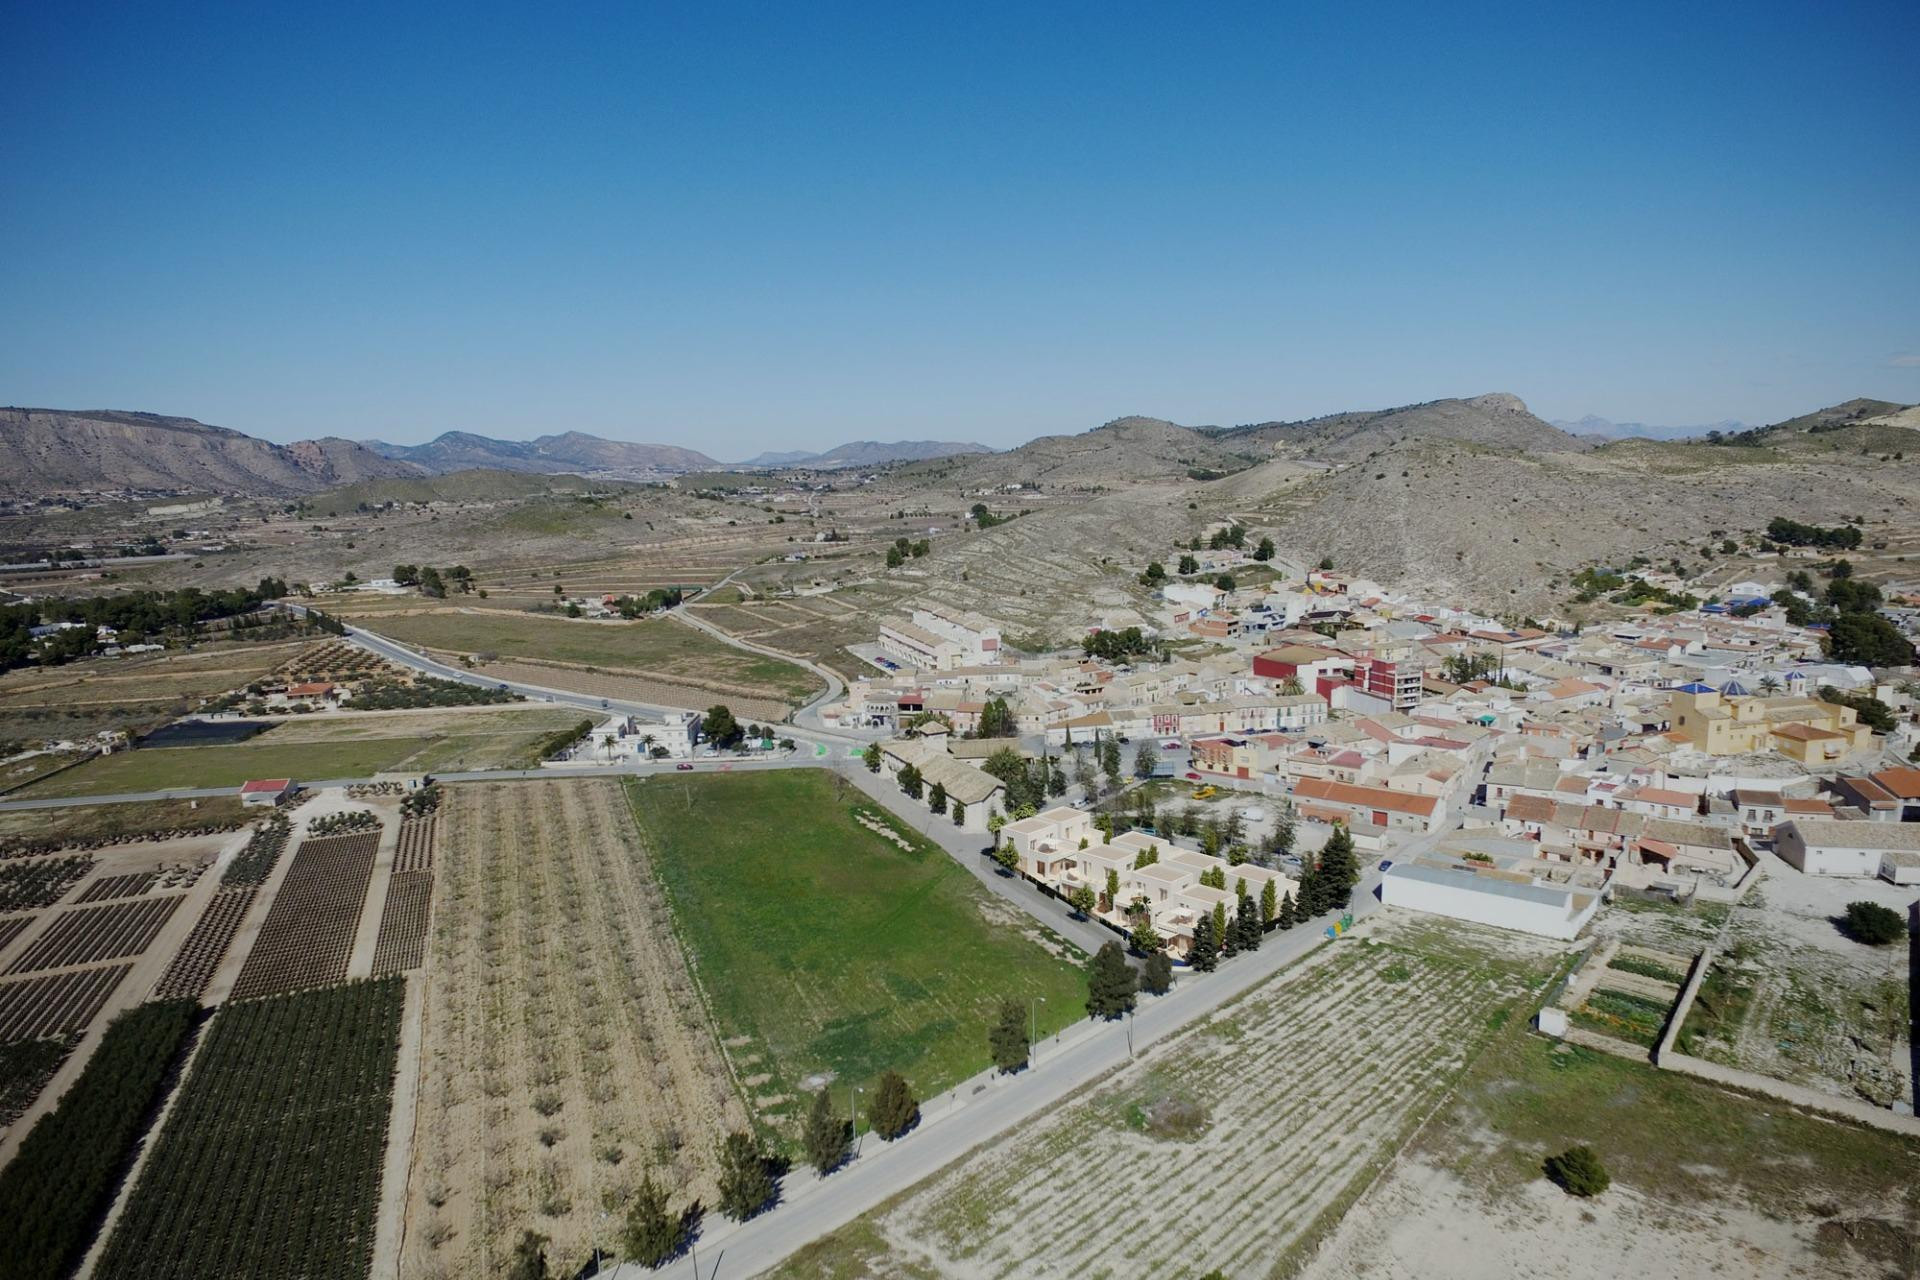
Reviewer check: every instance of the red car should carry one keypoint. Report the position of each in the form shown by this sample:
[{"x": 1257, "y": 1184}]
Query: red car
[
  {"x": 684, "y": 767},
  {"x": 1193, "y": 777}
]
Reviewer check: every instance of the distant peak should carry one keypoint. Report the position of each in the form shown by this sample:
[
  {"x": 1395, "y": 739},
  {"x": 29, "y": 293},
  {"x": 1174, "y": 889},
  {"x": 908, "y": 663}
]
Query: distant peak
[{"x": 1501, "y": 402}]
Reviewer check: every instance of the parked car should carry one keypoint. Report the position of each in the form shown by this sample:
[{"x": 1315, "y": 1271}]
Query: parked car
[
  {"x": 1171, "y": 744},
  {"x": 1193, "y": 777},
  {"x": 1385, "y": 863},
  {"x": 684, "y": 767}
]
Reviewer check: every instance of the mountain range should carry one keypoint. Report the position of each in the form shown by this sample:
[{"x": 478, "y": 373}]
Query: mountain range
[
  {"x": 51, "y": 451},
  {"x": 1592, "y": 425},
  {"x": 571, "y": 451},
  {"x": 866, "y": 453}
]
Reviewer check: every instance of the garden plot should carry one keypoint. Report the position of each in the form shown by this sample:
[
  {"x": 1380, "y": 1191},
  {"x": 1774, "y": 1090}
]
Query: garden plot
[
  {"x": 1238, "y": 1141},
  {"x": 565, "y": 1048},
  {"x": 1789, "y": 996}
]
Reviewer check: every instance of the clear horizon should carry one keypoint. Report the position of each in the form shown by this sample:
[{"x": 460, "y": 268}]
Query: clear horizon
[{"x": 747, "y": 231}]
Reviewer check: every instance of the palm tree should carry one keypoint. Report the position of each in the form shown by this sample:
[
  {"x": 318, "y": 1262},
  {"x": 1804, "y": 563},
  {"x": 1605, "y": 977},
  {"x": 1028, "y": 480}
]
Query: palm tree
[
  {"x": 646, "y": 744},
  {"x": 1770, "y": 684},
  {"x": 606, "y": 744}
]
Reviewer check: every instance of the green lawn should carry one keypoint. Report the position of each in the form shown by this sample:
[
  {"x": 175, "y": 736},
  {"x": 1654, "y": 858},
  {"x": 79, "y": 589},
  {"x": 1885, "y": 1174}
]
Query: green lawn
[
  {"x": 826, "y": 948},
  {"x": 654, "y": 644}
]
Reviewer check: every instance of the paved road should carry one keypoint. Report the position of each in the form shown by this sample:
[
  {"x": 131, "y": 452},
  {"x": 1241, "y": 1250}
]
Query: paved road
[
  {"x": 806, "y": 717},
  {"x": 401, "y": 655},
  {"x": 979, "y": 1111}
]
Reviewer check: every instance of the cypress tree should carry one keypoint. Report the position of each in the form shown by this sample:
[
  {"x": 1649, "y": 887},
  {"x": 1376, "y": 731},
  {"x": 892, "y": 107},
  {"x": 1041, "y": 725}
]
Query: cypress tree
[
  {"x": 1221, "y": 938},
  {"x": 1269, "y": 903},
  {"x": 1007, "y": 1037},
  {"x": 745, "y": 1185},
  {"x": 652, "y": 1235},
  {"x": 1158, "y": 976},
  {"x": 1111, "y": 983},
  {"x": 1246, "y": 925},
  {"x": 827, "y": 1136},
  {"x": 1205, "y": 956},
  {"x": 894, "y": 1110}
]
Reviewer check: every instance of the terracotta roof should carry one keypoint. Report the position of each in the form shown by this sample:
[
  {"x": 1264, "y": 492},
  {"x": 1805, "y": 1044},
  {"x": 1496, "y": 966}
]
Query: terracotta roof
[
  {"x": 1902, "y": 782},
  {"x": 258, "y": 785},
  {"x": 1368, "y": 797}
]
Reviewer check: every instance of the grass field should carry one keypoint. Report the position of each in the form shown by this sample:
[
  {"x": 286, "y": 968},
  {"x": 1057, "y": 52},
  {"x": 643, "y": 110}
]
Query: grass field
[
  {"x": 658, "y": 645},
  {"x": 318, "y": 749},
  {"x": 827, "y": 949}
]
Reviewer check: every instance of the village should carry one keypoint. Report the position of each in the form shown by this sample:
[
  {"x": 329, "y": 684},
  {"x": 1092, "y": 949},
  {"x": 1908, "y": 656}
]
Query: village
[{"x": 1511, "y": 775}]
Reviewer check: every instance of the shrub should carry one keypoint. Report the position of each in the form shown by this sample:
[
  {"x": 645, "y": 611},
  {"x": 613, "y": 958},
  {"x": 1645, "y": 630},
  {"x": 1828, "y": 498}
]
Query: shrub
[
  {"x": 1578, "y": 1172},
  {"x": 1873, "y": 924}
]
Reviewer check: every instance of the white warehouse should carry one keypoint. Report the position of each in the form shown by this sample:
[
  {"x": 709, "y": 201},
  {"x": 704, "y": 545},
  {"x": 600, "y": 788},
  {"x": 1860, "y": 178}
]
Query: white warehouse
[
  {"x": 1483, "y": 895},
  {"x": 1833, "y": 847}
]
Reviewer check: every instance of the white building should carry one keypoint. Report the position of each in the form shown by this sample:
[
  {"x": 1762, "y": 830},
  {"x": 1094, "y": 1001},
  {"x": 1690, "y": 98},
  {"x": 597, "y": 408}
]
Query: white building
[
  {"x": 938, "y": 638},
  {"x": 1834, "y": 847},
  {"x": 1485, "y": 895}
]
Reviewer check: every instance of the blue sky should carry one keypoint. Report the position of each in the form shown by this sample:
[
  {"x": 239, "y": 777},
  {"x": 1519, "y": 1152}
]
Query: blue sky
[{"x": 752, "y": 227}]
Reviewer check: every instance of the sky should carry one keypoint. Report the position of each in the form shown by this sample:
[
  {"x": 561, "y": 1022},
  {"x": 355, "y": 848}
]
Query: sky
[{"x": 749, "y": 227}]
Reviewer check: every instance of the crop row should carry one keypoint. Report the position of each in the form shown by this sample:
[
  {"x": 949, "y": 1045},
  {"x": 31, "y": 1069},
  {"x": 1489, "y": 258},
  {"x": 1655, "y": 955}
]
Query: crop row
[
  {"x": 12, "y": 927},
  {"x": 60, "y": 1002},
  {"x": 270, "y": 1163},
  {"x": 307, "y": 938},
  {"x": 402, "y": 944},
  {"x": 63, "y": 1177},
  {"x": 107, "y": 888},
  {"x": 33, "y": 847},
  {"x": 200, "y": 955},
  {"x": 86, "y": 934},
  {"x": 41, "y": 883},
  {"x": 416, "y": 846},
  {"x": 25, "y": 1068},
  {"x": 255, "y": 863}
]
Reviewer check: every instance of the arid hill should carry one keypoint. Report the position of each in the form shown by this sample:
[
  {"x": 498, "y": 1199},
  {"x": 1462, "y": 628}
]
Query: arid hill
[
  {"x": 1130, "y": 450},
  {"x": 55, "y": 451},
  {"x": 1500, "y": 420}
]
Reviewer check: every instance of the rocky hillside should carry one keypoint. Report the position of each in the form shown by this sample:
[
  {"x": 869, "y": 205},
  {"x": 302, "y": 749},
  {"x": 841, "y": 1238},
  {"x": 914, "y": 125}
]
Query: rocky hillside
[
  {"x": 572, "y": 451},
  {"x": 1123, "y": 452},
  {"x": 57, "y": 451},
  {"x": 1499, "y": 420},
  {"x": 1500, "y": 527}
]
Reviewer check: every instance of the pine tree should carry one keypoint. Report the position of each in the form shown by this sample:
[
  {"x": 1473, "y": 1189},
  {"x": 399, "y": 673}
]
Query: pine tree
[
  {"x": 1205, "y": 956},
  {"x": 1286, "y": 912},
  {"x": 1303, "y": 907},
  {"x": 1111, "y": 983},
  {"x": 1157, "y": 979},
  {"x": 653, "y": 1234},
  {"x": 1007, "y": 1037},
  {"x": 959, "y": 814},
  {"x": 827, "y": 1136},
  {"x": 894, "y": 1110},
  {"x": 937, "y": 798},
  {"x": 529, "y": 1257}
]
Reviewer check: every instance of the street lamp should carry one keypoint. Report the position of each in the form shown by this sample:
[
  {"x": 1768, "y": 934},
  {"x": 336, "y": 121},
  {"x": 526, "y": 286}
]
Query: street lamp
[
  {"x": 1033, "y": 1024},
  {"x": 853, "y": 1111}
]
